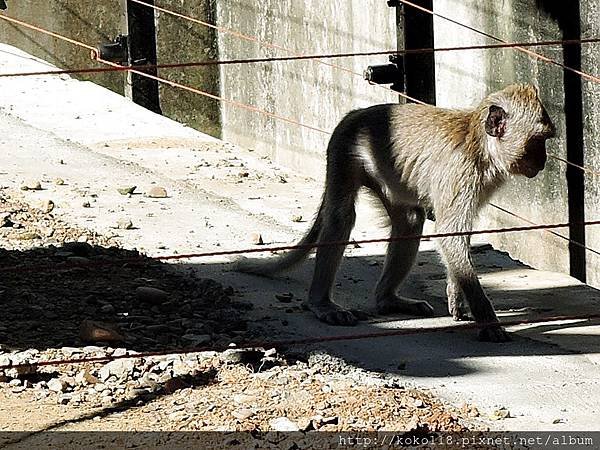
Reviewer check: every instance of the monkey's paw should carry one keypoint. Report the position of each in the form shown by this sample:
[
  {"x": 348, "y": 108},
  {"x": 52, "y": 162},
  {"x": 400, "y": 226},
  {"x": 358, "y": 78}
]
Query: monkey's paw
[
  {"x": 395, "y": 304},
  {"x": 460, "y": 315},
  {"x": 493, "y": 333},
  {"x": 332, "y": 314}
]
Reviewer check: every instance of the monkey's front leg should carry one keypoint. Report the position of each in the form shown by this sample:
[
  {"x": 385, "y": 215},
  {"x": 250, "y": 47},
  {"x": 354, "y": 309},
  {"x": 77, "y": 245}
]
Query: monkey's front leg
[{"x": 455, "y": 251}]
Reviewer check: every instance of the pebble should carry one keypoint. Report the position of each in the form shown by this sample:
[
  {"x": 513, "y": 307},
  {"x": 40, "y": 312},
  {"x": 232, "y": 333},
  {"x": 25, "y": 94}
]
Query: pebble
[
  {"x": 78, "y": 260},
  {"x": 5, "y": 220},
  {"x": 157, "y": 192},
  {"x": 151, "y": 295},
  {"x": 120, "y": 368},
  {"x": 174, "y": 384},
  {"x": 107, "y": 309},
  {"x": 32, "y": 185},
  {"x": 126, "y": 190},
  {"x": 196, "y": 339},
  {"x": 242, "y": 356},
  {"x": 59, "y": 181},
  {"x": 296, "y": 218},
  {"x": 124, "y": 224},
  {"x": 92, "y": 331},
  {"x": 47, "y": 206},
  {"x": 57, "y": 385},
  {"x": 27, "y": 236},
  {"x": 283, "y": 424},
  {"x": 285, "y": 298},
  {"x": 244, "y": 413},
  {"x": 119, "y": 352},
  {"x": 501, "y": 413},
  {"x": 84, "y": 377},
  {"x": 256, "y": 239}
]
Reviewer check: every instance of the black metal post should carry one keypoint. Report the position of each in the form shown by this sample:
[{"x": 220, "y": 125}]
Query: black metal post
[
  {"x": 141, "y": 31},
  {"x": 568, "y": 17},
  {"x": 575, "y": 148},
  {"x": 415, "y": 30}
]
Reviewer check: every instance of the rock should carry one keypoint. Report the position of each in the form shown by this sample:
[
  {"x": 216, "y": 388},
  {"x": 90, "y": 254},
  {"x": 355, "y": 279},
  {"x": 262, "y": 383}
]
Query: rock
[
  {"x": 32, "y": 185},
  {"x": 92, "y": 331},
  {"x": 78, "y": 248},
  {"x": 5, "y": 220},
  {"x": 174, "y": 384},
  {"x": 196, "y": 339},
  {"x": 126, "y": 190},
  {"x": 157, "y": 192},
  {"x": 25, "y": 357},
  {"x": 120, "y": 368},
  {"x": 57, "y": 385},
  {"x": 47, "y": 206},
  {"x": 124, "y": 224},
  {"x": 107, "y": 309},
  {"x": 86, "y": 205},
  {"x": 27, "y": 236},
  {"x": 59, "y": 181},
  {"x": 85, "y": 377},
  {"x": 283, "y": 424},
  {"x": 78, "y": 260},
  {"x": 243, "y": 414},
  {"x": 500, "y": 413},
  {"x": 285, "y": 298},
  {"x": 296, "y": 218},
  {"x": 244, "y": 399},
  {"x": 119, "y": 352},
  {"x": 64, "y": 399},
  {"x": 148, "y": 380},
  {"x": 242, "y": 356},
  {"x": 256, "y": 239},
  {"x": 151, "y": 295}
]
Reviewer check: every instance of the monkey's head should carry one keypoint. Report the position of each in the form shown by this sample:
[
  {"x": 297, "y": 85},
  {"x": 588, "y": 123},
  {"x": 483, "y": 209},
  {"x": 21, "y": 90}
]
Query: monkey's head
[{"x": 519, "y": 125}]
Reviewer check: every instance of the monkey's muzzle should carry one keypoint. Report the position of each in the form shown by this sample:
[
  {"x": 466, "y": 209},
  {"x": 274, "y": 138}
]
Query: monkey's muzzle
[{"x": 534, "y": 158}]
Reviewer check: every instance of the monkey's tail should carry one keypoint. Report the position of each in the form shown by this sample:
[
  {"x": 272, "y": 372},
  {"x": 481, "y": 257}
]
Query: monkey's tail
[{"x": 270, "y": 266}]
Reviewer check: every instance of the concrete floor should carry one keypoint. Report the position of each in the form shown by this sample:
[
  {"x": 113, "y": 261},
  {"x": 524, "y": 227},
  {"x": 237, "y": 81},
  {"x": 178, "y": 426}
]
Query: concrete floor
[{"x": 219, "y": 195}]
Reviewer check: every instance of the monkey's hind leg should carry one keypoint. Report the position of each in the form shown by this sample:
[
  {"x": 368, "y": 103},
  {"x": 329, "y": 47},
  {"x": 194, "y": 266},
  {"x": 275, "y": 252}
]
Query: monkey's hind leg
[
  {"x": 400, "y": 257},
  {"x": 457, "y": 303},
  {"x": 338, "y": 220}
]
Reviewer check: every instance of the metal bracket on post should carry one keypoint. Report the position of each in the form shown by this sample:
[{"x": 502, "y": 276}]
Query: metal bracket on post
[
  {"x": 116, "y": 51},
  {"x": 392, "y": 73}
]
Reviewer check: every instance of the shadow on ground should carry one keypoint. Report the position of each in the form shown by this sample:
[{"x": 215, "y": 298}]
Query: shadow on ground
[
  {"x": 47, "y": 294},
  {"x": 45, "y": 302}
]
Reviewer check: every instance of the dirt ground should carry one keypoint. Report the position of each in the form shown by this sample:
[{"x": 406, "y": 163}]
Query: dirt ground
[{"x": 68, "y": 293}]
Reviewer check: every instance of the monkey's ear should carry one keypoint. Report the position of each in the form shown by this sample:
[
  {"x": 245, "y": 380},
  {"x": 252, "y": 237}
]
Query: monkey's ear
[{"x": 495, "y": 124}]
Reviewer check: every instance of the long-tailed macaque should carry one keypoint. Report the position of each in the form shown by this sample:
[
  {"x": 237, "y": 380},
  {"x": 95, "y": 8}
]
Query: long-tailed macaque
[{"x": 415, "y": 157}]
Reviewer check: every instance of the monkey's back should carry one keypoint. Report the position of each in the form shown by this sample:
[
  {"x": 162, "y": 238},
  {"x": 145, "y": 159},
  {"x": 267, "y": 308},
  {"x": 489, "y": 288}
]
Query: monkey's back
[{"x": 399, "y": 149}]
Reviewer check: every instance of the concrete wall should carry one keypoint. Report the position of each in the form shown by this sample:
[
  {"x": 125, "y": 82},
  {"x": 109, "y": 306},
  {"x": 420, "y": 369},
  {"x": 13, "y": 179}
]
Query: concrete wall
[
  {"x": 318, "y": 95},
  {"x": 463, "y": 78},
  {"x": 94, "y": 23},
  {"x": 183, "y": 41},
  {"x": 305, "y": 91},
  {"x": 88, "y": 22}
]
